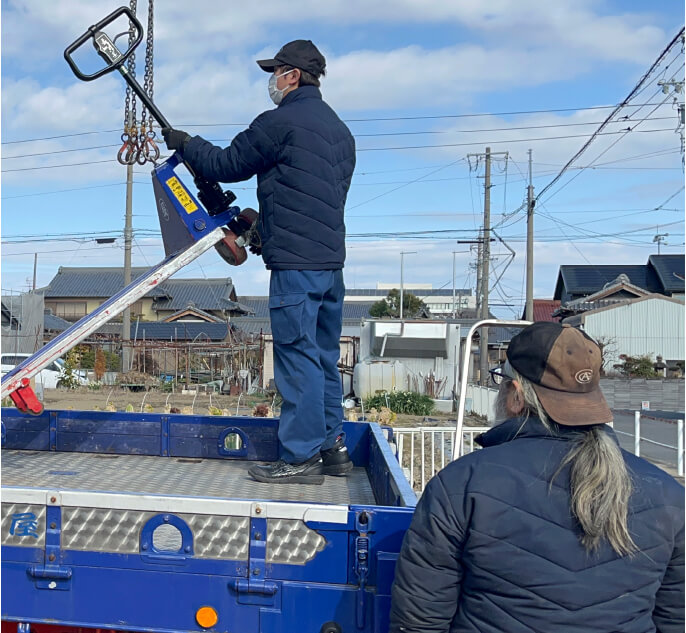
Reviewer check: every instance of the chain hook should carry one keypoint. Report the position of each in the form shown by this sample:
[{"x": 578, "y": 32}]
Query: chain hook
[
  {"x": 124, "y": 153},
  {"x": 152, "y": 149},
  {"x": 141, "y": 153}
]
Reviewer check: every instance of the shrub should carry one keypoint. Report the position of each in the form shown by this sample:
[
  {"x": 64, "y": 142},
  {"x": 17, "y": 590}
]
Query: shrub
[
  {"x": 100, "y": 365},
  {"x": 69, "y": 378},
  {"x": 636, "y": 366},
  {"x": 88, "y": 358},
  {"x": 401, "y": 402}
]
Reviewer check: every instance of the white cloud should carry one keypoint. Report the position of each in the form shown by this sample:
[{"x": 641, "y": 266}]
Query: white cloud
[
  {"x": 203, "y": 26},
  {"x": 205, "y": 72}
]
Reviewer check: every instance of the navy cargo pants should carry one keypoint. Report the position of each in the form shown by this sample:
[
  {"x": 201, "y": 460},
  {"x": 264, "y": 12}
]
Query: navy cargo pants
[{"x": 306, "y": 311}]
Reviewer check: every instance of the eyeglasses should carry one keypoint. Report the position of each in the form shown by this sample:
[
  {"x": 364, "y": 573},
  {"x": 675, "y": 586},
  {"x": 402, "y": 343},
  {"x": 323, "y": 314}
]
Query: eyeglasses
[{"x": 498, "y": 374}]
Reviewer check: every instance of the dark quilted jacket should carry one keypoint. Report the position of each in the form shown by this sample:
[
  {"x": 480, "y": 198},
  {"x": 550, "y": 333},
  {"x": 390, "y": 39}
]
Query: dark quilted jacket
[
  {"x": 304, "y": 157},
  {"x": 493, "y": 548}
]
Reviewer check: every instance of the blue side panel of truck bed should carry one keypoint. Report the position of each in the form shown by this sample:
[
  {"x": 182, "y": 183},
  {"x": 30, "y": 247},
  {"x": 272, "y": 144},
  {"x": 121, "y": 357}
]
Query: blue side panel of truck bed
[{"x": 80, "y": 554}]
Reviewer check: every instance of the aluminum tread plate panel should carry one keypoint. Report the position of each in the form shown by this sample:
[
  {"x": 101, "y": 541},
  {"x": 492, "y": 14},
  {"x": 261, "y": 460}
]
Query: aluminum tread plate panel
[
  {"x": 292, "y": 542},
  {"x": 213, "y": 536},
  {"x": 23, "y": 525},
  {"x": 142, "y": 474},
  {"x": 289, "y": 541}
]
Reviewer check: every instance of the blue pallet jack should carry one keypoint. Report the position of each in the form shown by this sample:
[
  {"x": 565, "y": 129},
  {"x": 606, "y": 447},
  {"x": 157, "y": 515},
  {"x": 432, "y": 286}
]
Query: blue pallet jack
[{"x": 190, "y": 225}]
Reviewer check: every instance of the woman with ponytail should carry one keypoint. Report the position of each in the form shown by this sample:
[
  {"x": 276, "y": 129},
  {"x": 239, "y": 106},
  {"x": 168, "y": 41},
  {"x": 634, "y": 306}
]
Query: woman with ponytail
[{"x": 552, "y": 526}]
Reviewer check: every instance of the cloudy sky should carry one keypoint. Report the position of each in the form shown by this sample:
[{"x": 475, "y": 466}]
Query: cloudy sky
[{"x": 423, "y": 85}]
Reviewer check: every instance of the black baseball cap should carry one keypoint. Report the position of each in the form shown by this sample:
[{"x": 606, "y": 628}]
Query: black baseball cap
[
  {"x": 563, "y": 365},
  {"x": 302, "y": 54}
]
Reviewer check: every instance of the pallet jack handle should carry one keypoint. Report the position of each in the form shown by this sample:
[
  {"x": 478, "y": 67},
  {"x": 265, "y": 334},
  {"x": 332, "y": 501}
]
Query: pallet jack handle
[
  {"x": 102, "y": 42},
  {"x": 215, "y": 199}
]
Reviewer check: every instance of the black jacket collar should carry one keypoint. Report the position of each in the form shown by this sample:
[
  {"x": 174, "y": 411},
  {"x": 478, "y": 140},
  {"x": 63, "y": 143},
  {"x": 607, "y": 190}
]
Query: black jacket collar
[
  {"x": 304, "y": 92},
  {"x": 533, "y": 427}
]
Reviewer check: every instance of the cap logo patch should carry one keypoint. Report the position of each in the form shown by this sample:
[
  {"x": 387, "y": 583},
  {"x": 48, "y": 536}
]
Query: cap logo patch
[{"x": 584, "y": 376}]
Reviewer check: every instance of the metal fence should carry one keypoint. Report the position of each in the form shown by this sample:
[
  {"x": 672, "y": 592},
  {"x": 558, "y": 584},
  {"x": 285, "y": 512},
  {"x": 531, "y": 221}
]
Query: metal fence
[
  {"x": 423, "y": 450},
  {"x": 639, "y": 438},
  {"x": 481, "y": 400}
]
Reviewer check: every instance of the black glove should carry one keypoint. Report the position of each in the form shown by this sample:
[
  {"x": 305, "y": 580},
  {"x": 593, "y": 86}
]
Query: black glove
[{"x": 175, "y": 139}]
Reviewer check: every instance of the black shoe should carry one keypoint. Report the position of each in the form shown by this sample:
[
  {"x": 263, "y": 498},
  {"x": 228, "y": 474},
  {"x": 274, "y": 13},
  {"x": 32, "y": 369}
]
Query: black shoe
[
  {"x": 309, "y": 472},
  {"x": 336, "y": 459}
]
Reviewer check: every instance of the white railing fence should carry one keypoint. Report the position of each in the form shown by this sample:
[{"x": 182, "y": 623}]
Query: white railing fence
[
  {"x": 639, "y": 438},
  {"x": 423, "y": 450}
]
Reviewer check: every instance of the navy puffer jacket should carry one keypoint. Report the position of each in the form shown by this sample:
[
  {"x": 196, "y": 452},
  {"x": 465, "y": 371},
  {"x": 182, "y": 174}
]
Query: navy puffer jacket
[
  {"x": 304, "y": 157},
  {"x": 494, "y": 548}
]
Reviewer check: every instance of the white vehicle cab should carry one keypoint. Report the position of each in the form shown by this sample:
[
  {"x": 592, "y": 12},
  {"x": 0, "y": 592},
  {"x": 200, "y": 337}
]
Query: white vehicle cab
[{"x": 46, "y": 377}]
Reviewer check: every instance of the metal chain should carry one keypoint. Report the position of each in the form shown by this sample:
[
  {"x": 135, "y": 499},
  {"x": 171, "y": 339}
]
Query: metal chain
[
  {"x": 148, "y": 79},
  {"x": 129, "y": 150},
  {"x": 131, "y": 67},
  {"x": 148, "y": 152}
]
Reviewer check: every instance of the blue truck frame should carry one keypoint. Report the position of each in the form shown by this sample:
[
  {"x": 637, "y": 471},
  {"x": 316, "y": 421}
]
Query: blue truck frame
[{"x": 344, "y": 587}]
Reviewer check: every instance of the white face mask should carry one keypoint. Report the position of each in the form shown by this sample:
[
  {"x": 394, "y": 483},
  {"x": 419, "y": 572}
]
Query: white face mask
[{"x": 274, "y": 93}]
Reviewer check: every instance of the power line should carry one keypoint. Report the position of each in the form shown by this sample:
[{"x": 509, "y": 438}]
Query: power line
[
  {"x": 90, "y": 162},
  {"x": 378, "y": 149},
  {"x": 46, "y": 193},
  {"x": 407, "y": 118},
  {"x": 612, "y": 114},
  {"x": 670, "y": 197},
  {"x": 499, "y": 129},
  {"x": 385, "y": 193},
  {"x": 493, "y": 142},
  {"x": 462, "y": 116},
  {"x": 605, "y": 151},
  {"x": 376, "y": 134}
]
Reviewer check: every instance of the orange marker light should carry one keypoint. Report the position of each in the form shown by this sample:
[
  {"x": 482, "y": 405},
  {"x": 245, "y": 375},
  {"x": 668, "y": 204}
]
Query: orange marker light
[{"x": 206, "y": 617}]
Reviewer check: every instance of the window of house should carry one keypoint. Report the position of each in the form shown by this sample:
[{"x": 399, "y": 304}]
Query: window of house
[{"x": 67, "y": 309}]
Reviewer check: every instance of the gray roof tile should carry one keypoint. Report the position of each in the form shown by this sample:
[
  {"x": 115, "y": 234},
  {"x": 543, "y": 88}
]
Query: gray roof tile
[
  {"x": 55, "y": 323},
  {"x": 205, "y": 294},
  {"x": 90, "y": 282},
  {"x": 670, "y": 271},
  {"x": 585, "y": 280},
  {"x": 173, "y": 294},
  {"x": 179, "y": 331}
]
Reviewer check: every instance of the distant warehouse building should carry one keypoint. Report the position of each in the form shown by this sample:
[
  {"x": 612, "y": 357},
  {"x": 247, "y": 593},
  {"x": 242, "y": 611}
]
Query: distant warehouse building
[{"x": 651, "y": 325}]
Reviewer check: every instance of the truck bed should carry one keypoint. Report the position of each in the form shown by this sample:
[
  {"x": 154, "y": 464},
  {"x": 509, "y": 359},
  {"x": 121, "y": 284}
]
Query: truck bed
[
  {"x": 176, "y": 476},
  {"x": 162, "y": 504}
]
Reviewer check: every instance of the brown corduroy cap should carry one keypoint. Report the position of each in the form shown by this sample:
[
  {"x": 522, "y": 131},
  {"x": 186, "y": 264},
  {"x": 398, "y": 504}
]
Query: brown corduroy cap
[{"x": 563, "y": 365}]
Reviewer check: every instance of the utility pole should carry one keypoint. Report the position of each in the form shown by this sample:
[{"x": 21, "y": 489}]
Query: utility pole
[
  {"x": 660, "y": 239},
  {"x": 128, "y": 238},
  {"x": 402, "y": 255},
  {"x": 453, "y": 312},
  {"x": 482, "y": 310},
  {"x": 483, "y": 369},
  {"x": 479, "y": 242},
  {"x": 479, "y": 262},
  {"x": 529, "y": 310},
  {"x": 35, "y": 266}
]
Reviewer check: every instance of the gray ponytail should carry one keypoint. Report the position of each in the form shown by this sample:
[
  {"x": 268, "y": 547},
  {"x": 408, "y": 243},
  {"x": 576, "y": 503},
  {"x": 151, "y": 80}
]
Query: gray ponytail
[
  {"x": 601, "y": 488},
  {"x": 599, "y": 481}
]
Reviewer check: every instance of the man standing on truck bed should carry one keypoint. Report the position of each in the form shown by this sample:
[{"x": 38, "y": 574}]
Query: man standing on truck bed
[{"x": 304, "y": 157}]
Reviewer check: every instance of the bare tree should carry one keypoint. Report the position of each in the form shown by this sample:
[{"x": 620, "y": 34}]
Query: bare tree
[{"x": 608, "y": 349}]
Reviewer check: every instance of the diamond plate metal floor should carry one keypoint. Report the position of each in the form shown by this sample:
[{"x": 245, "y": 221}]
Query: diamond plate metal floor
[{"x": 170, "y": 476}]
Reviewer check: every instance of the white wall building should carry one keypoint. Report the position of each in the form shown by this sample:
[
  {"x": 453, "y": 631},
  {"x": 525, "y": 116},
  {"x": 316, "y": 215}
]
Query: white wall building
[
  {"x": 438, "y": 300},
  {"x": 652, "y": 325}
]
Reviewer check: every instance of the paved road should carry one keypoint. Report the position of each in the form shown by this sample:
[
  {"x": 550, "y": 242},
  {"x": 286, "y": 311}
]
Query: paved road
[{"x": 663, "y": 430}]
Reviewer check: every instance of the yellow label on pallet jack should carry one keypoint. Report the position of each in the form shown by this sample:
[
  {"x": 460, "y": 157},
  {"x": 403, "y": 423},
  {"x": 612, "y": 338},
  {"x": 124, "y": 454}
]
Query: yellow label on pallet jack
[{"x": 181, "y": 194}]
